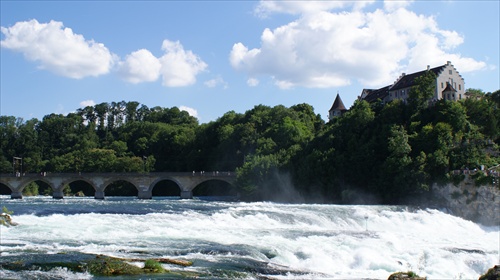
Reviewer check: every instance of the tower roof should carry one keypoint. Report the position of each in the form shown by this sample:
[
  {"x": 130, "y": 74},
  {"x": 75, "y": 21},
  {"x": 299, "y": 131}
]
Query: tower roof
[
  {"x": 338, "y": 104},
  {"x": 449, "y": 87}
]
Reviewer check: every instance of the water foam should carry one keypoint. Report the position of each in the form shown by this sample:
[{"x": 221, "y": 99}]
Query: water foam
[{"x": 337, "y": 241}]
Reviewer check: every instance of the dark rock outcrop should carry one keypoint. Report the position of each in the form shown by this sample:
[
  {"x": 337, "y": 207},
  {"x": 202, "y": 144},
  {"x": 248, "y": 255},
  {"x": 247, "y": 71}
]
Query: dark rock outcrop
[
  {"x": 492, "y": 274},
  {"x": 405, "y": 276}
]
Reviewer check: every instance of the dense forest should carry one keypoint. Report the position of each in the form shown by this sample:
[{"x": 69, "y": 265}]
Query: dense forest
[{"x": 389, "y": 151}]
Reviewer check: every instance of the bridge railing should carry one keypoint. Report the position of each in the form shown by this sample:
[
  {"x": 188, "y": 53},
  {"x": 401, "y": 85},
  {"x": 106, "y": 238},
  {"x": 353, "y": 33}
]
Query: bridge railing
[{"x": 121, "y": 174}]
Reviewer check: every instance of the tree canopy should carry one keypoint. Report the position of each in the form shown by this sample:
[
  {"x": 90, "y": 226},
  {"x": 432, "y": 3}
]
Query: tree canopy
[{"x": 389, "y": 152}]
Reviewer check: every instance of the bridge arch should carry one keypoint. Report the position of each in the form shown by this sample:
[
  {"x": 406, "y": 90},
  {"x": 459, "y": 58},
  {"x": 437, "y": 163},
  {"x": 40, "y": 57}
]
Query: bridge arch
[
  {"x": 165, "y": 178},
  {"x": 34, "y": 180},
  {"x": 165, "y": 187},
  {"x": 90, "y": 190},
  {"x": 72, "y": 180},
  {"x": 215, "y": 187},
  {"x": 5, "y": 189},
  {"x": 131, "y": 188}
]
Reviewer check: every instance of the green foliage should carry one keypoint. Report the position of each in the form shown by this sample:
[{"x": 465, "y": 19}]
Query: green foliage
[
  {"x": 423, "y": 91},
  {"x": 7, "y": 211},
  {"x": 108, "y": 266},
  {"x": 153, "y": 266},
  {"x": 31, "y": 189},
  {"x": 412, "y": 274},
  {"x": 392, "y": 152},
  {"x": 457, "y": 179},
  {"x": 481, "y": 179}
]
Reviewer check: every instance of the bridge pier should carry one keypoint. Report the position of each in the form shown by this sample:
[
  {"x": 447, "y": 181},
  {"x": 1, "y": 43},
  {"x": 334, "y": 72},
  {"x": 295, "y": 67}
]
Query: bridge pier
[
  {"x": 16, "y": 195},
  {"x": 186, "y": 194},
  {"x": 148, "y": 194},
  {"x": 99, "y": 195},
  {"x": 58, "y": 194}
]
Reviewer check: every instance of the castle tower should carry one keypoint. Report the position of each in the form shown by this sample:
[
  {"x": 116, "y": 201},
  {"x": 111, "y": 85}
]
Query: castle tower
[{"x": 337, "y": 109}]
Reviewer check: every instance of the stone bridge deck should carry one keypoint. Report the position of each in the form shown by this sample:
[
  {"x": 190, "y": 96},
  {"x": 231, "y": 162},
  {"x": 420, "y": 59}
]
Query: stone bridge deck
[{"x": 144, "y": 182}]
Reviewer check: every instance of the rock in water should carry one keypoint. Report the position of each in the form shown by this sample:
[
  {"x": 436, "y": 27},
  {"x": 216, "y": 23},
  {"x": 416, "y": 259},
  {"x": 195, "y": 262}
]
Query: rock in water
[
  {"x": 6, "y": 220},
  {"x": 405, "y": 276},
  {"x": 492, "y": 274}
]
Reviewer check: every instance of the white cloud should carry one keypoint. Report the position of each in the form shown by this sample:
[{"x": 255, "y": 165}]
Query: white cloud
[
  {"x": 140, "y": 66},
  {"x": 266, "y": 8},
  {"x": 392, "y": 5},
  {"x": 86, "y": 103},
  {"x": 58, "y": 49},
  {"x": 240, "y": 57},
  {"x": 252, "y": 82},
  {"x": 192, "y": 112},
  {"x": 178, "y": 66},
  {"x": 324, "y": 49},
  {"x": 216, "y": 82}
]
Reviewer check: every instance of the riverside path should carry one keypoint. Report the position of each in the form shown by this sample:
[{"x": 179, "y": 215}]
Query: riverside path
[{"x": 144, "y": 182}]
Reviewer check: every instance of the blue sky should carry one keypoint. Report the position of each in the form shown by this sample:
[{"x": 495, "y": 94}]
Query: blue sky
[{"x": 211, "y": 57}]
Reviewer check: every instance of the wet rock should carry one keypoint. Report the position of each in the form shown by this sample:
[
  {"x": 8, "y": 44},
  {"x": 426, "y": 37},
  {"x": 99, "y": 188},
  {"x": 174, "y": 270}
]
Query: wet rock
[
  {"x": 176, "y": 262},
  {"x": 108, "y": 266},
  {"x": 97, "y": 265},
  {"x": 492, "y": 274},
  {"x": 6, "y": 220},
  {"x": 405, "y": 276}
]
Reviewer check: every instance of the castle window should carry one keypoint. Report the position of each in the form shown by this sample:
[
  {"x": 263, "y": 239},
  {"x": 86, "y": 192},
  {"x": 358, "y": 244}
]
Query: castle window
[
  {"x": 450, "y": 71},
  {"x": 459, "y": 87},
  {"x": 442, "y": 85}
]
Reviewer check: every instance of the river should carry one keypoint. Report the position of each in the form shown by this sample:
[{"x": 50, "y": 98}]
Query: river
[{"x": 226, "y": 239}]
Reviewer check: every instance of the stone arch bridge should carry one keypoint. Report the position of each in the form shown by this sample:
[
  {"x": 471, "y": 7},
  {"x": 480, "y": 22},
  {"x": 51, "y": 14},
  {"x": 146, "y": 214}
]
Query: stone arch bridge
[{"x": 144, "y": 182}]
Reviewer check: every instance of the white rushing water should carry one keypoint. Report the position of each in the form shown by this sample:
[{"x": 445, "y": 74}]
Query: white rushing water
[{"x": 324, "y": 241}]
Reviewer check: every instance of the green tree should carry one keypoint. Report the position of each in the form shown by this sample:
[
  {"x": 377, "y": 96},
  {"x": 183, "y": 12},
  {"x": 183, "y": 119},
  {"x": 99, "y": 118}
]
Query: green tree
[
  {"x": 31, "y": 189},
  {"x": 423, "y": 90},
  {"x": 397, "y": 167}
]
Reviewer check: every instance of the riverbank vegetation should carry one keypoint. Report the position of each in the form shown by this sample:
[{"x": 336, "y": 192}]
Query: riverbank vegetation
[{"x": 388, "y": 152}]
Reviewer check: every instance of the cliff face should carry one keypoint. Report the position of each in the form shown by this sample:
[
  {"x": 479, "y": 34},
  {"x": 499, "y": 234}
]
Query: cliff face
[{"x": 478, "y": 204}]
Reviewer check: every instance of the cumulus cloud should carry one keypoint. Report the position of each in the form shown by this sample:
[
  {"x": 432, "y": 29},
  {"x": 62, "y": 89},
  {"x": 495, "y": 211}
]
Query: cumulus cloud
[
  {"x": 178, "y": 66},
  {"x": 86, "y": 103},
  {"x": 192, "y": 112},
  {"x": 323, "y": 49},
  {"x": 219, "y": 81},
  {"x": 140, "y": 66},
  {"x": 58, "y": 49}
]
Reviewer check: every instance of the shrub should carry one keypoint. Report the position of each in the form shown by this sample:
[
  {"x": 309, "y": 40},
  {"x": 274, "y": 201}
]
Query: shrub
[{"x": 153, "y": 266}]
